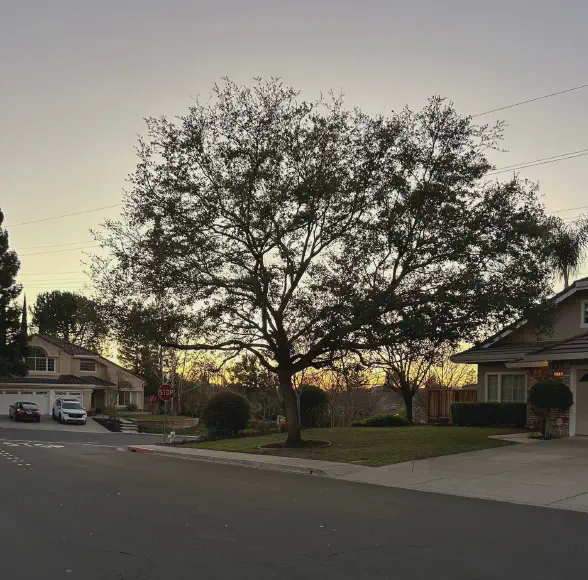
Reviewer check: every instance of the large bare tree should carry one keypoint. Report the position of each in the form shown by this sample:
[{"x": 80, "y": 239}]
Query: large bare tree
[{"x": 291, "y": 229}]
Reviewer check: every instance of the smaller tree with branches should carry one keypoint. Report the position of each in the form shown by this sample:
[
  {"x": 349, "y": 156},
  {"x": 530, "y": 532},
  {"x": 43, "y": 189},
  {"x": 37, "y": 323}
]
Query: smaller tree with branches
[{"x": 408, "y": 368}]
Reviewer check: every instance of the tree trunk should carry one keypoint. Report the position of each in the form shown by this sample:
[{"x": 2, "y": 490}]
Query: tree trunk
[
  {"x": 566, "y": 278},
  {"x": 289, "y": 397},
  {"x": 408, "y": 398}
]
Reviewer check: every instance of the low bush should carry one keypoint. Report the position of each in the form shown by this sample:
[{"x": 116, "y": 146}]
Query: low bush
[
  {"x": 132, "y": 407},
  {"x": 550, "y": 394},
  {"x": 546, "y": 395},
  {"x": 263, "y": 426},
  {"x": 249, "y": 432},
  {"x": 489, "y": 414},
  {"x": 382, "y": 420},
  {"x": 225, "y": 414}
]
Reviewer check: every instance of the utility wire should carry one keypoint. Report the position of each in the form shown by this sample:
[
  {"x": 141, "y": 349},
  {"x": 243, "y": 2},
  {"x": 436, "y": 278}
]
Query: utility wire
[
  {"x": 570, "y": 209},
  {"x": 63, "y": 216},
  {"x": 53, "y": 245},
  {"x": 57, "y": 251},
  {"x": 535, "y": 164},
  {"x": 530, "y": 101},
  {"x": 554, "y": 157},
  {"x": 52, "y": 273}
]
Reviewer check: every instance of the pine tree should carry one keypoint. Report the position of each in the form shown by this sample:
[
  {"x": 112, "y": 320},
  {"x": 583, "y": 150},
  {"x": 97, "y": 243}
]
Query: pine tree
[{"x": 13, "y": 341}]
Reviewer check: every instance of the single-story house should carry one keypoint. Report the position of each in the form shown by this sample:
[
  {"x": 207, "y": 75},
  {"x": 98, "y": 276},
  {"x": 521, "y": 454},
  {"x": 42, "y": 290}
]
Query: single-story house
[
  {"x": 61, "y": 369},
  {"x": 515, "y": 358}
]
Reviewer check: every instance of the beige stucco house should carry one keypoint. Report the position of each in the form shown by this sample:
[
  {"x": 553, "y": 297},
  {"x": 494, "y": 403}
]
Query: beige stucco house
[
  {"x": 61, "y": 369},
  {"x": 512, "y": 360}
]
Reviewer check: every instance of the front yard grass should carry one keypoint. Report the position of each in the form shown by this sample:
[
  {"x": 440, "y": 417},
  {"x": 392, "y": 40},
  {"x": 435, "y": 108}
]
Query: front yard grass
[{"x": 373, "y": 446}]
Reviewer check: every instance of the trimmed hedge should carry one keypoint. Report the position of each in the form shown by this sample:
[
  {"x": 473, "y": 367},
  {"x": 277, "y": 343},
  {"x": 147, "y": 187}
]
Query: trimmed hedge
[
  {"x": 550, "y": 394},
  {"x": 382, "y": 420},
  {"x": 489, "y": 414},
  {"x": 226, "y": 413}
]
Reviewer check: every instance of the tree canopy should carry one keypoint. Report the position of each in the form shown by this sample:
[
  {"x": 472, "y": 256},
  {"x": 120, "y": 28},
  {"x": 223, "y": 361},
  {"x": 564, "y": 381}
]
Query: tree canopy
[
  {"x": 295, "y": 229},
  {"x": 567, "y": 246},
  {"x": 13, "y": 338},
  {"x": 71, "y": 317}
]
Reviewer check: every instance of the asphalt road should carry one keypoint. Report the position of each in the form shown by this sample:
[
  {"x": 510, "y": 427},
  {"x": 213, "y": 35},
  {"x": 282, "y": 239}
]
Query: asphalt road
[
  {"x": 86, "y": 512},
  {"x": 111, "y": 439}
]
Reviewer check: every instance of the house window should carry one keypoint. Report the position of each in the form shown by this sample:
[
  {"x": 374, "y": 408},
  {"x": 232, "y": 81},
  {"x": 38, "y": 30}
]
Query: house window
[
  {"x": 88, "y": 366},
  {"x": 39, "y": 361},
  {"x": 506, "y": 388},
  {"x": 124, "y": 397},
  {"x": 584, "y": 314},
  {"x": 492, "y": 396}
]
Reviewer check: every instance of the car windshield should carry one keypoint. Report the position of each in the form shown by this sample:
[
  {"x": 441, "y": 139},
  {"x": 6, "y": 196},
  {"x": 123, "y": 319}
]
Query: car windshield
[
  {"x": 30, "y": 406},
  {"x": 72, "y": 406}
]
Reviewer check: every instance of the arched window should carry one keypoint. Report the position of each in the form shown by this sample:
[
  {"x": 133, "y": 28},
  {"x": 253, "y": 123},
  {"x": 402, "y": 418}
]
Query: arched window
[{"x": 39, "y": 361}]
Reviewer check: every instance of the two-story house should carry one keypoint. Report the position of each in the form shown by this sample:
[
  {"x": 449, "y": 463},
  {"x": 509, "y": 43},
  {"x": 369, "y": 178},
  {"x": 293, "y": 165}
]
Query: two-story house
[
  {"x": 512, "y": 360},
  {"x": 61, "y": 369}
]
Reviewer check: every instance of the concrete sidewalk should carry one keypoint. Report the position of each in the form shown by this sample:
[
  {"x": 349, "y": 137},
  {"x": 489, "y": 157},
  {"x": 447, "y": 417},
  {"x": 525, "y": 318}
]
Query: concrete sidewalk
[{"x": 546, "y": 473}]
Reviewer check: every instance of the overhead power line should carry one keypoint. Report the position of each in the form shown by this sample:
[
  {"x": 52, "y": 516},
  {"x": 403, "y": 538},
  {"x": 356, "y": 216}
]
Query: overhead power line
[
  {"x": 52, "y": 273},
  {"x": 570, "y": 209},
  {"x": 57, "y": 251},
  {"x": 537, "y": 162},
  {"x": 53, "y": 245},
  {"x": 64, "y": 215},
  {"x": 554, "y": 157},
  {"x": 530, "y": 100}
]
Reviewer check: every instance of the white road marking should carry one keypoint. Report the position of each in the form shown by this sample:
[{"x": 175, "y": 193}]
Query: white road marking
[{"x": 42, "y": 445}]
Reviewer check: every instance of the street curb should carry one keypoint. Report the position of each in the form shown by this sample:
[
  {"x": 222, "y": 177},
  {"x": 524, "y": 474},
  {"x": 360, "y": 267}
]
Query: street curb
[
  {"x": 254, "y": 464},
  {"x": 139, "y": 449}
]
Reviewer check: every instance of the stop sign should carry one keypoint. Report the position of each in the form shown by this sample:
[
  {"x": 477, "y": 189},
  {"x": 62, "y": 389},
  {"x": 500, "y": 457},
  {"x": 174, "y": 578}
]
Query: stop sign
[{"x": 165, "y": 392}]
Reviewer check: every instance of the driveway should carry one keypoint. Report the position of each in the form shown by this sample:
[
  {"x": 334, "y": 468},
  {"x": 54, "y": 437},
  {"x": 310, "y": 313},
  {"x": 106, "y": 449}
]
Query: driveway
[
  {"x": 48, "y": 424},
  {"x": 542, "y": 473}
]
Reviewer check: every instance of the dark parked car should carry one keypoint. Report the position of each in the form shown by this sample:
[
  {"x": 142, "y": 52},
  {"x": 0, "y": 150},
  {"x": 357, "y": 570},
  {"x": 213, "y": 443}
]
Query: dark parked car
[{"x": 24, "y": 412}]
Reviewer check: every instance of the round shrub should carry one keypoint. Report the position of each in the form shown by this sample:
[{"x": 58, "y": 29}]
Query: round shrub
[
  {"x": 226, "y": 413},
  {"x": 313, "y": 404},
  {"x": 382, "y": 420},
  {"x": 550, "y": 394}
]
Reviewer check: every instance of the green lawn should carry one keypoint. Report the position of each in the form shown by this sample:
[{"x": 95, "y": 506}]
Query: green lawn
[{"x": 374, "y": 446}]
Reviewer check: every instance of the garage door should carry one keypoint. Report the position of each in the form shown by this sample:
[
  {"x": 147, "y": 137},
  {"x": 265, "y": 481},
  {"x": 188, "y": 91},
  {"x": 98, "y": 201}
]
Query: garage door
[{"x": 41, "y": 398}]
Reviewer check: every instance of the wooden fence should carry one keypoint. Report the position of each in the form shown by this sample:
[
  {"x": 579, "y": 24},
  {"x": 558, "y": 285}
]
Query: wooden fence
[{"x": 438, "y": 402}]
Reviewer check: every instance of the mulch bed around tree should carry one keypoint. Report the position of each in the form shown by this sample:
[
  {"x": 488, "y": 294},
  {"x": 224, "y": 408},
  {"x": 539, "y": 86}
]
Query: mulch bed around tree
[{"x": 310, "y": 444}]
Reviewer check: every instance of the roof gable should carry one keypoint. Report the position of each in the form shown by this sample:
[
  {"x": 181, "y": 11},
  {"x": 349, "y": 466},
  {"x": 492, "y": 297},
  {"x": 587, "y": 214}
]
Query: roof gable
[
  {"x": 580, "y": 284},
  {"x": 77, "y": 351}
]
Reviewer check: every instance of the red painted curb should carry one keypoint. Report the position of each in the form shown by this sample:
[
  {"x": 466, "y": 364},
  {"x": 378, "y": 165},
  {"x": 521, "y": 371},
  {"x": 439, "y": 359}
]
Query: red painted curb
[{"x": 139, "y": 449}]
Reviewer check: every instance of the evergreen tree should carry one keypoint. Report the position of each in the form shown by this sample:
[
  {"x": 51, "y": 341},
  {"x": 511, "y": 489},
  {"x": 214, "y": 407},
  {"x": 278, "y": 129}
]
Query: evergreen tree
[
  {"x": 71, "y": 317},
  {"x": 12, "y": 340}
]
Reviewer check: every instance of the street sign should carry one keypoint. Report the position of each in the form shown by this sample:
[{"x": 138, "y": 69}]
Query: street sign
[{"x": 165, "y": 392}]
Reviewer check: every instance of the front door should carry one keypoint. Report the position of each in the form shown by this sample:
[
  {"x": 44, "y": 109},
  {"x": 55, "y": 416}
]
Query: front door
[{"x": 580, "y": 407}]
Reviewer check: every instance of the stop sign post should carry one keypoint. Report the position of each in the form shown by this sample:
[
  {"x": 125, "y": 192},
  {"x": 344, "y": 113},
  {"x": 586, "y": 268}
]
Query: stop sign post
[{"x": 165, "y": 393}]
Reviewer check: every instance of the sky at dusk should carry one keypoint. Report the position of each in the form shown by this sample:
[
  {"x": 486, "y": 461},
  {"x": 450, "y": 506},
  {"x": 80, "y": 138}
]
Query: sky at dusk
[{"x": 78, "y": 77}]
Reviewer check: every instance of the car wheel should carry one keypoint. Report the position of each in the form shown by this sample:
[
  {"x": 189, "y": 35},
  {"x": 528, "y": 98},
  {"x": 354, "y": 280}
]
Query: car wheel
[
  {"x": 53, "y": 414},
  {"x": 83, "y": 422},
  {"x": 38, "y": 420},
  {"x": 60, "y": 418}
]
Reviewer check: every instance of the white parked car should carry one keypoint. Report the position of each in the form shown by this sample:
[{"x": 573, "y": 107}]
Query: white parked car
[{"x": 69, "y": 411}]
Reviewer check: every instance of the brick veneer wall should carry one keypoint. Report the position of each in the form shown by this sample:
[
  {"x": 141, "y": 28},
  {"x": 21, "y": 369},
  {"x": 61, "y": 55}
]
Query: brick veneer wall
[{"x": 562, "y": 415}]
